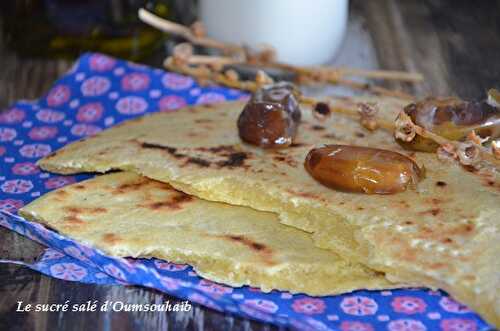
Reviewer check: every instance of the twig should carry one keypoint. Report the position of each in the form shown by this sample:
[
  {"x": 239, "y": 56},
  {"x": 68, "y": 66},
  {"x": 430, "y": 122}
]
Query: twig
[
  {"x": 211, "y": 60},
  {"x": 311, "y": 74},
  {"x": 180, "y": 30},
  {"x": 485, "y": 155},
  {"x": 406, "y": 130},
  {"x": 224, "y": 60},
  {"x": 251, "y": 86},
  {"x": 353, "y": 113},
  {"x": 210, "y": 75}
]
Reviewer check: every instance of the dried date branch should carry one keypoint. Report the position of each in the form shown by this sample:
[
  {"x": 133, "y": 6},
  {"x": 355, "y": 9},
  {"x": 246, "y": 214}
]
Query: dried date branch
[
  {"x": 266, "y": 57},
  {"x": 348, "y": 111},
  {"x": 305, "y": 77},
  {"x": 368, "y": 115},
  {"x": 208, "y": 75},
  {"x": 230, "y": 79},
  {"x": 470, "y": 152},
  {"x": 404, "y": 128}
]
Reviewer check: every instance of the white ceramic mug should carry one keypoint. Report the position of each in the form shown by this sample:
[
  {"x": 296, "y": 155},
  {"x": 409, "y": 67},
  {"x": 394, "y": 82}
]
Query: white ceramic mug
[{"x": 303, "y": 32}]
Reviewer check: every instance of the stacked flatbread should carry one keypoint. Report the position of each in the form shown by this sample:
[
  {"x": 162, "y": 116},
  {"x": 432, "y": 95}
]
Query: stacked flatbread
[
  {"x": 125, "y": 214},
  {"x": 443, "y": 234}
]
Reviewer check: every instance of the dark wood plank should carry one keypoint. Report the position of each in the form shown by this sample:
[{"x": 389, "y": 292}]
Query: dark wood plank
[
  {"x": 18, "y": 248},
  {"x": 21, "y": 284},
  {"x": 455, "y": 44}
]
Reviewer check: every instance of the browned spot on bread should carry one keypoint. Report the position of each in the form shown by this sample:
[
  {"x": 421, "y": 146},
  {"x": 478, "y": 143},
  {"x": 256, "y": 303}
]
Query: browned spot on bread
[
  {"x": 470, "y": 277},
  {"x": 262, "y": 250},
  {"x": 170, "y": 150},
  {"x": 404, "y": 204},
  {"x": 84, "y": 210},
  {"x": 61, "y": 194},
  {"x": 130, "y": 187},
  {"x": 468, "y": 228},
  {"x": 173, "y": 151},
  {"x": 447, "y": 240},
  {"x": 360, "y": 134},
  {"x": 490, "y": 181},
  {"x": 304, "y": 194},
  {"x": 360, "y": 208},
  {"x": 447, "y": 236},
  {"x": 73, "y": 210},
  {"x": 279, "y": 158},
  {"x": 437, "y": 265},
  {"x": 79, "y": 186},
  {"x": 437, "y": 201},
  {"x": 433, "y": 212},
  {"x": 198, "y": 161},
  {"x": 236, "y": 159},
  {"x": 219, "y": 150},
  {"x": 406, "y": 253},
  {"x": 469, "y": 168},
  {"x": 103, "y": 152},
  {"x": 173, "y": 202},
  {"x": 317, "y": 127},
  {"x": 330, "y": 136},
  {"x": 156, "y": 205},
  {"x": 160, "y": 185},
  {"x": 285, "y": 158},
  {"x": 73, "y": 220},
  {"x": 440, "y": 183},
  {"x": 111, "y": 238},
  {"x": 203, "y": 120},
  {"x": 232, "y": 158}
]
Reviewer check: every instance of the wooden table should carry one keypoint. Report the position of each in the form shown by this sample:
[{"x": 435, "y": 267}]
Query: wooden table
[{"x": 455, "y": 44}]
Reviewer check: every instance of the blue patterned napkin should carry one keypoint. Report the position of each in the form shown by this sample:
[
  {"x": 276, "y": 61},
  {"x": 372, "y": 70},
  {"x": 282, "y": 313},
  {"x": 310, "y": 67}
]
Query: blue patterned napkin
[{"x": 99, "y": 92}]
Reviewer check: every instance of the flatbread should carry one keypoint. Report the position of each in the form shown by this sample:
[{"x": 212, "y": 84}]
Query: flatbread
[
  {"x": 444, "y": 234},
  {"x": 124, "y": 214}
]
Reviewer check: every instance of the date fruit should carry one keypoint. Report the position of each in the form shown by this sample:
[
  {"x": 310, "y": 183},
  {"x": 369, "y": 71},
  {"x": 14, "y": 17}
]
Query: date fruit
[
  {"x": 451, "y": 118},
  {"x": 362, "y": 169},
  {"x": 271, "y": 117}
]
